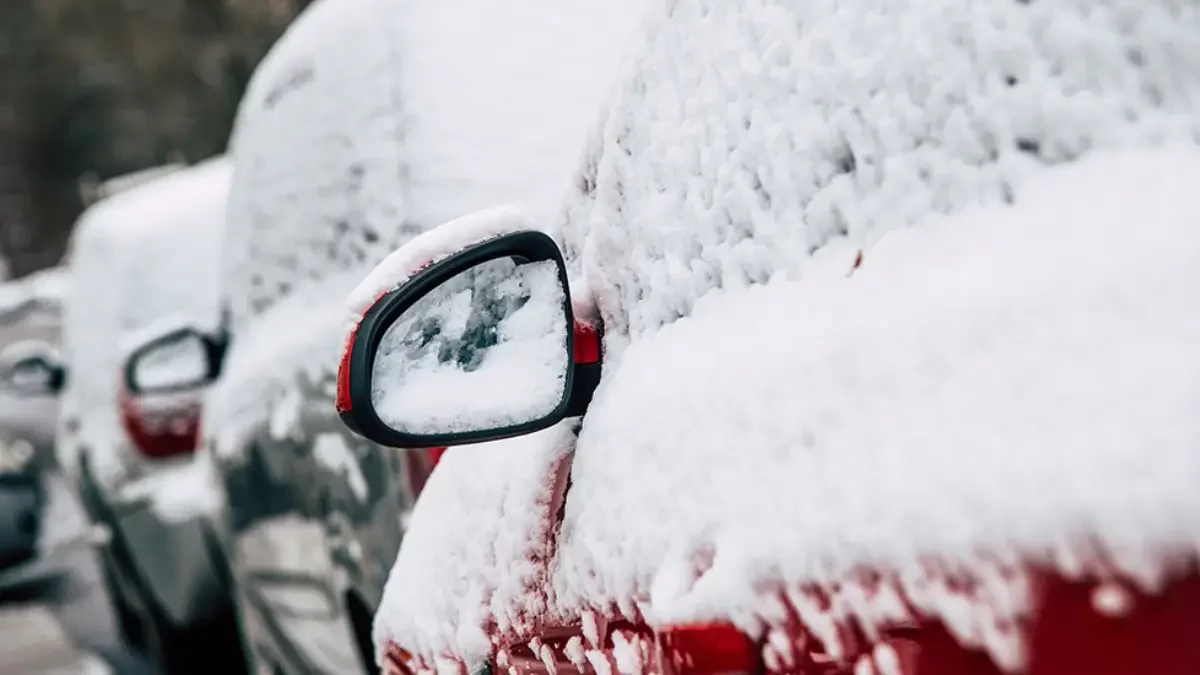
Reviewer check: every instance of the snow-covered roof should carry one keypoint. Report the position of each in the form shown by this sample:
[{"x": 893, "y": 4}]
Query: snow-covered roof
[
  {"x": 372, "y": 120},
  {"x": 137, "y": 257},
  {"x": 48, "y": 286},
  {"x": 1015, "y": 341},
  {"x": 316, "y": 144}
]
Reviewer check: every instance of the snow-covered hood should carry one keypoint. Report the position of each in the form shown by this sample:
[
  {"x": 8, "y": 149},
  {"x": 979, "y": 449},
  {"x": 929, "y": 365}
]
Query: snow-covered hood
[{"x": 1013, "y": 330}]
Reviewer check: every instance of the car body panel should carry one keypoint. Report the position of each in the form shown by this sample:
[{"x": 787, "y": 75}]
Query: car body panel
[{"x": 172, "y": 560}]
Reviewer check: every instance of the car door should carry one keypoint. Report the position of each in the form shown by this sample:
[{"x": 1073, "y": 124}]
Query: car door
[{"x": 292, "y": 562}]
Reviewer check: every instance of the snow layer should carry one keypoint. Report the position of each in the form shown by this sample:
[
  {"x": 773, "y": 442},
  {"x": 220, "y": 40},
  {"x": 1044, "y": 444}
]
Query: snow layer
[
  {"x": 49, "y": 286},
  {"x": 331, "y": 451},
  {"x": 136, "y": 258},
  {"x": 450, "y": 363},
  {"x": 766, "y": 143},
  {"x": 499, "y": 96},
  {"x": 179, "y": 491},
  {"x": 445, "y": 589},
  {"x": 1013, "y": 379},
  {"x": 434, "y": 245},
  {"x": 373, "y": 120},
  {"x": 747, "y": 135},
  {"x": 320, "y": 176}
]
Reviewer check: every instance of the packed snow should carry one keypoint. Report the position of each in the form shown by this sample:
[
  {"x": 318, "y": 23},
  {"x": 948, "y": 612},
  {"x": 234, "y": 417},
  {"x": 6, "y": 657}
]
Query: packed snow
[
  {"x": 285, "y": 417},
  {"x": 438, "y": 601},
  {"x": 432, "y": 246},
  {"x": 316, "y": 144},
  {"x": 137, "y": 258},
  {"x": 179, "y": 491},
  {"x": 20, "y": 350},
  {"x": 1009, "y": 380},
  {"x": 271, "y": 370},
  {"x": 485, "y": 350},
  {"x": 744, "y": 137},
  {"x": 993, "y": 374},
  {"x": 331, "y": 451}
]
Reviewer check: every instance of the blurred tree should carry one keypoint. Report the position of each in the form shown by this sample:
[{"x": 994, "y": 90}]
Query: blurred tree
[{"x": 104, "y": 87}]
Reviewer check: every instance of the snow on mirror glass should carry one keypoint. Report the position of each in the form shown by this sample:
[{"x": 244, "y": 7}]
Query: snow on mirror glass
[
  {"x": 485, "y": 350},
  {"x": 30, "y": 375},
  {"x": 181, "y": 362}
]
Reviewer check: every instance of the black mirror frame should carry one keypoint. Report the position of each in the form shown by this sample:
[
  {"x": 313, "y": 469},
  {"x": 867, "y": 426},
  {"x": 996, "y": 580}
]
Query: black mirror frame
[
  {"x": 525, "y": 247},
  {"x": 58, "y": 374},
  {"x": 214, "y": 354}
]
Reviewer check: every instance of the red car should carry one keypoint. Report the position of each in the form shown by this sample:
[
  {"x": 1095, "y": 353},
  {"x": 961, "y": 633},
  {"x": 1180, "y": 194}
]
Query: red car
[{"x": 867, "y": 342}]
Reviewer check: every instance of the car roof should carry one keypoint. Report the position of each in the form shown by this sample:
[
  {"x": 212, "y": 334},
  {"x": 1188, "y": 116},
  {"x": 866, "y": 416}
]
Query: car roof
[
  {"x": 136, "y": 257},
  {"x": 745, "y": 139},
  {"x": 372, "y": 120}
]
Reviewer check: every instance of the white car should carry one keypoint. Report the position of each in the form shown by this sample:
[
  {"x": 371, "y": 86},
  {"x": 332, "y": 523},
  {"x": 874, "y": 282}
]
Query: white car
[{"x": 145, "y": 271}]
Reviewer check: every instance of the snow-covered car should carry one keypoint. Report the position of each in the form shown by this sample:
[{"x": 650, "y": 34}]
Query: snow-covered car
[
  {"x": 30, "y": 377},
  {"x": 368, "y": 122},
  {"x": 144, "y": 269},
  {"x": 900, "y": 306}
]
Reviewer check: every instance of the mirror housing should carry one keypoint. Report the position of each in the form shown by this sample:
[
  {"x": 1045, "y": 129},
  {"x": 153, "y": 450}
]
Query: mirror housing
[
  {"x": 32, "y": 369},
  {"x": 150, "y": 368},
  {"x": 494, "y": 342}
]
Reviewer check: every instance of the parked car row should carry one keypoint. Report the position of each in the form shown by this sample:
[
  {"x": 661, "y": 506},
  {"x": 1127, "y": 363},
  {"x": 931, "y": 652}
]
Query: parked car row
[
  {"x": 690, "y": 337},
  {"x": 246, "y": 524},
  {"x": 29, "y": 330},
  {"x": 897, "y": 369}
]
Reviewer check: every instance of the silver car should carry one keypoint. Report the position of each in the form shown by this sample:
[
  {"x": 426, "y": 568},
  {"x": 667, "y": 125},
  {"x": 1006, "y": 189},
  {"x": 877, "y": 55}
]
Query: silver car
[{"x": 29, "y": 378}]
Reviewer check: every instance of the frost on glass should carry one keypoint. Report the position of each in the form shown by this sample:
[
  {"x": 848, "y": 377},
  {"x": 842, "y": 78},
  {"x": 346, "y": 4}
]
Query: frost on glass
[
  {"x": 181, "y": 362},
  {"x": 485, "y": 350}
]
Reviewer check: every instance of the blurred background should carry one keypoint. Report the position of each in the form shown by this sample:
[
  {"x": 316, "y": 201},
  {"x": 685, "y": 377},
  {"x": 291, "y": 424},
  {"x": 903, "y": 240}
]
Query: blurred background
[
  {"x": 95, "y": 96},
  {"x": 92, "y": 90}
]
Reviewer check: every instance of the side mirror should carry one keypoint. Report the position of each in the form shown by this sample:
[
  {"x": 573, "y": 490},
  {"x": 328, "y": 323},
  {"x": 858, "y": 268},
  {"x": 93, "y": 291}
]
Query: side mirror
[
  {"x": 31, "y": 370},
  {"x": 180, "y": 360},
  {"x": 478, "y": 346}
]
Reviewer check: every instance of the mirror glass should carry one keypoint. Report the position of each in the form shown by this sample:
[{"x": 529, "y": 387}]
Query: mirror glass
[
  {"x": 485, "y": 350},
  {"x": 31, "y": 375},
  {"x": 173, "y": 362}
]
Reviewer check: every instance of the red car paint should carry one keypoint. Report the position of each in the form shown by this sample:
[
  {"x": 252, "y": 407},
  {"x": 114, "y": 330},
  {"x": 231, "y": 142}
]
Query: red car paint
[
  {"x": 342, "y": 401},
  {"x": 1067, "y": 635},
  {"x": 161, "y": 431}
]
